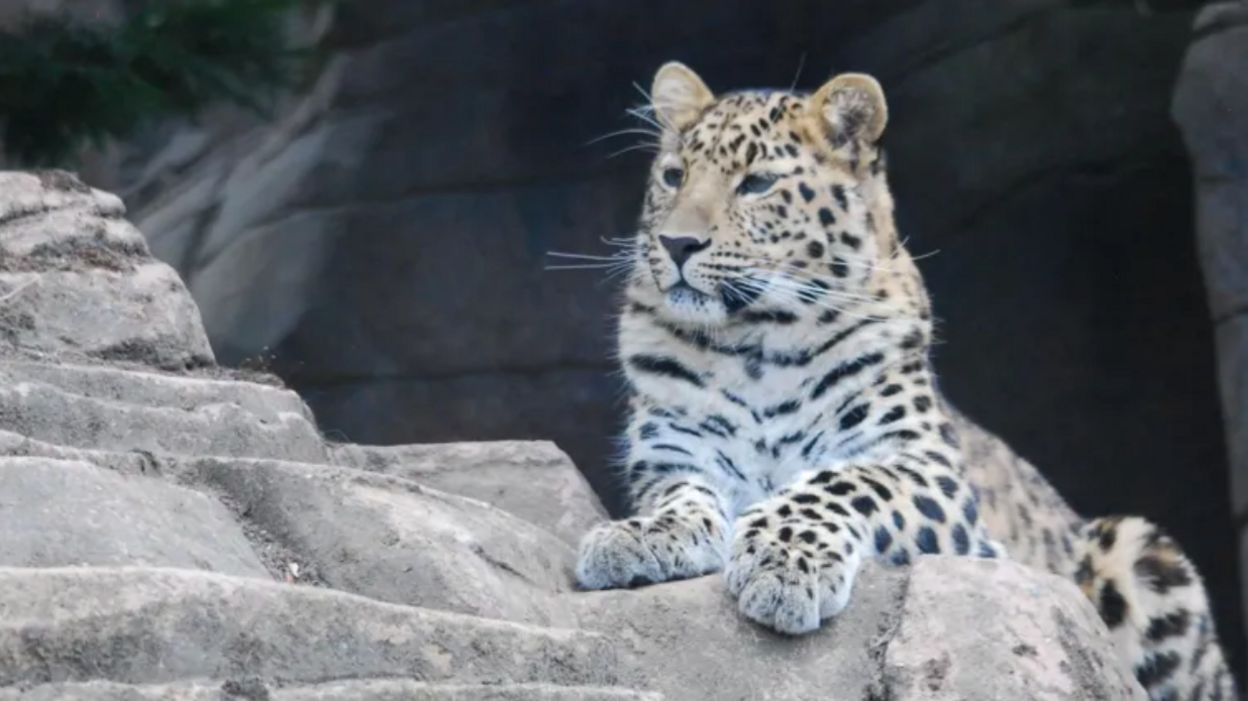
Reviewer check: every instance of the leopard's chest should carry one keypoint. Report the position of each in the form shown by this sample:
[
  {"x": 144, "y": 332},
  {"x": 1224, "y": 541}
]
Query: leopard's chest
[{"x": 771, "y": 428}]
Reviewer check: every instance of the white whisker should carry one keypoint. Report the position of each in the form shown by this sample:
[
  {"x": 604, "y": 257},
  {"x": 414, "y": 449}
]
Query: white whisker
[
  {"x": 801, "y": 63},
  {"x": 584, "y": 256},
  {"x": 625, "y": 132},
  {"x": 808, "y": 286},
  {"x": 644, "y": 115},
  {"x": 635, "y": 147},
  {"x": 622, "y": 242},
  {"x": 794, "y": 292},
  {"x": 587, "y": 266}
]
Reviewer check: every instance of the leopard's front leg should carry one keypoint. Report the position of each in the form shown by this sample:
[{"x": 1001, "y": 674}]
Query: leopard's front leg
[
  {"x": 795, "y": 556},
  {"x": 683, "y": 535}
]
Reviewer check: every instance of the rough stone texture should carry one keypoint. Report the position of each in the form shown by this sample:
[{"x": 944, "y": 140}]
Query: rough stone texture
[
  {"x": 393, "y": 540},
  {"x": 381, "y": 244},
  {"x": 106, "y": 408},
  {"x": 187, "y": 535},
  {"x": 1041, "y": 647},
  {"x": 77, "y": 277},
  {"x": 1211, "y": 108},
  {"x": 151, "y": 625},
  {"x": 368, "y": 690},
  {"x": 532, "y": 479},
  {"x": 56, "y": 513}
]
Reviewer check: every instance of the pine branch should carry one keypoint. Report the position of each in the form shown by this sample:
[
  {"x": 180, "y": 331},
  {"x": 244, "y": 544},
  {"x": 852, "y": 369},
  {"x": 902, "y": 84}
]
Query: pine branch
[{"x": 65, "y": 84}]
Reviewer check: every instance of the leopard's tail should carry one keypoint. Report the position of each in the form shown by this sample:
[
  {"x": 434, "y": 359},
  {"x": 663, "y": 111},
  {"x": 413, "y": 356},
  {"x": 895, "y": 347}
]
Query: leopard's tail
[{"x": 1154, "y": 602}]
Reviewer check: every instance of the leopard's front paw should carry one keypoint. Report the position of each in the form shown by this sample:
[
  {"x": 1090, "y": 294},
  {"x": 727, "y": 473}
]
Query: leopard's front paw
[
  {"x": 791, "y": 579},
  {"x": 647, "y": 551}
]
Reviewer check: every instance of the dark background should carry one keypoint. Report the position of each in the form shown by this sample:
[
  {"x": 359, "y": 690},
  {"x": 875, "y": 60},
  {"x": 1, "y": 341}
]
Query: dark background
[{"x": 386, "y": 253}]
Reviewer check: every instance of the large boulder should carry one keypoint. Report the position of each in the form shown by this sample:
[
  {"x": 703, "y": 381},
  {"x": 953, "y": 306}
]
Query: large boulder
[{"x": 184, "y": 533}]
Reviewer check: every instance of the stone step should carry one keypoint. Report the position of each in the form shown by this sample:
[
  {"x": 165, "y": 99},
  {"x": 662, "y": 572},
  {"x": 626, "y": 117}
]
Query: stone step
[
  {"x": 394, "y": 540},
  {"x": 350, "y": 690},
  {"x": 57, "y": 513},
  {"x": 371, "y": 534},
  {"x": 105, "y": 408},
  {"x": 161, "y": 626},
  {"x": 534, "y": 480}
]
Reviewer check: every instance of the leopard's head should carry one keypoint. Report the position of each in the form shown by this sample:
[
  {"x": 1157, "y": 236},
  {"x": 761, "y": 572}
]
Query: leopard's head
[{"x": 763, "y": 202}]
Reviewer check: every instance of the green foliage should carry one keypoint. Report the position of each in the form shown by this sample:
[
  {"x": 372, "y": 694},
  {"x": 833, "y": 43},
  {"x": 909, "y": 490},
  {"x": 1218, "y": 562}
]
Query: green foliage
[{"x": 65, "y": 84}]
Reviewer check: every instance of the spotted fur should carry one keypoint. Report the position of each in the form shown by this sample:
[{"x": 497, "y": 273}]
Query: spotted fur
[{"x": 785, "y": 423}]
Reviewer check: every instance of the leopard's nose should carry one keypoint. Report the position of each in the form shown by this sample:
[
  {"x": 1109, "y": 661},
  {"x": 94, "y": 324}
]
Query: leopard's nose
[{"x": 681, "y": 248}]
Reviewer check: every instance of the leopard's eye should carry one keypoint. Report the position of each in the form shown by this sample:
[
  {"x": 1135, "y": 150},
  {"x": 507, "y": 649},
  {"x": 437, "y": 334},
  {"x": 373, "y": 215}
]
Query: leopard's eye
[
  {"x": 673, "y": 177},
  {"x": 756, "y": 183}
]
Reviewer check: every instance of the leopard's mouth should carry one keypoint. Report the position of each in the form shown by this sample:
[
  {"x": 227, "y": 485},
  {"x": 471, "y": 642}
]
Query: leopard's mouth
[
  {"x": 682, "y": 294},
  {"x": 738, "y": 297}
]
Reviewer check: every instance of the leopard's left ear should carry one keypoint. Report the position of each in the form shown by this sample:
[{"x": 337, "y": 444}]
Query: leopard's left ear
[
  {"x": 679, "y": 95},
  {"x": 852, "y": 108}
]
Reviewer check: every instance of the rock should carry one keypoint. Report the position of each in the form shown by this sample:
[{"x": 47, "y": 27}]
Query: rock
[
  {"x": 79, "y": 278},
  {"x": 532, "y": 479},
  {"x": 1033, "y": 637},
  {"x": 110, "y": 409},
  {"x": 1211, "y": 109},
  {"x": 368, "y": 690},
  {"x": 152, "y": 625},
  {"x": 177, "y": 532},
  {"x": 57, "y": 513},
  {"x": 419, "y": 691},
  {"x": 905, "y": 636},
  {"x": 393, "y": 540}
]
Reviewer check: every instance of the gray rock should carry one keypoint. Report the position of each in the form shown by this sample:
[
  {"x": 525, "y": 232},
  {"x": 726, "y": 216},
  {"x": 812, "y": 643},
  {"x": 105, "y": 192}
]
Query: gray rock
[
  {"x": 110, "y": 691},
  {"x": 56, "y": 513},
  {"x": 402, "y": 690},
  {"x": 366, "y": 690},
  {"x": 76, "y": 277},
  {"x": 158, "y": 626},
  {"x": 129, "y": 463},
  {"x": 983, "y": 631},
  {"x": 531, "y": 479},
  {"x": 394, "y": 540},
  {"x": 111, "y": 409},
  {"x": 693, "y": 643},
  {"x": 946, "y": 628}
]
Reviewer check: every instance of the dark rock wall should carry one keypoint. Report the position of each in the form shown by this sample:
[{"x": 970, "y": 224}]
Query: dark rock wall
[
  {"x": 384, "y": 242},
  {"x": 1211, "y": 107}
]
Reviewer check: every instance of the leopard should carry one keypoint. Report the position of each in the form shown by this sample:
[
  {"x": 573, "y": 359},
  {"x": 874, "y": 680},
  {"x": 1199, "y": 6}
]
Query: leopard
[{"x": 784, "y": 424}]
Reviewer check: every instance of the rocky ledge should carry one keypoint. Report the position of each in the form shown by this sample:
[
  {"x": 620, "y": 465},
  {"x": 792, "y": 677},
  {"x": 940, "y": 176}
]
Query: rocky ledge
[{"x": 175, "y": 530}]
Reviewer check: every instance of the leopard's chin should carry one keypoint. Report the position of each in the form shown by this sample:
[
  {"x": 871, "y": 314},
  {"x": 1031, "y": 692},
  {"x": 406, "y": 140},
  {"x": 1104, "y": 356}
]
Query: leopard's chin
[{"x": 687, "y": 306}]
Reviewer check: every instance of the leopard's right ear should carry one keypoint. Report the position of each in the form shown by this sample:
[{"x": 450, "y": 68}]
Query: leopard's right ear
[
  {"x": 679, "y": 96},
  {"x": 852, "y": 108}
]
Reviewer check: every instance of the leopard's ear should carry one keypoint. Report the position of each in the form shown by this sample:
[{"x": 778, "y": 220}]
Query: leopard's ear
[
  {"x": 679, "y": 96},
  {"x": 852, "y": 108}
]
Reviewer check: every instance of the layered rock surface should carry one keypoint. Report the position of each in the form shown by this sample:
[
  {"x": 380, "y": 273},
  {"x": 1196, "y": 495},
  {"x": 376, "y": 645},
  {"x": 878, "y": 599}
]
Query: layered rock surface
[{"x": 173, "y": 530}]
